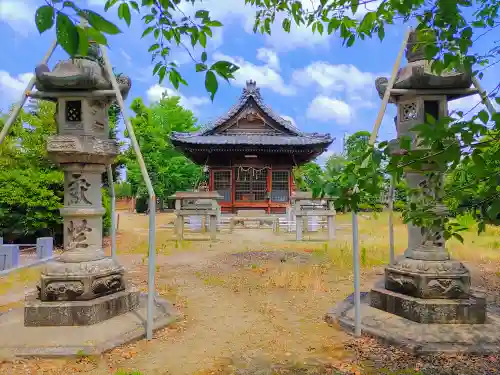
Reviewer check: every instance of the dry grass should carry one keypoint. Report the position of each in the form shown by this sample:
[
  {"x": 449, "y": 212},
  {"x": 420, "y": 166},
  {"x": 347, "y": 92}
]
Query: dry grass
[{"x": 25, "y": 278}]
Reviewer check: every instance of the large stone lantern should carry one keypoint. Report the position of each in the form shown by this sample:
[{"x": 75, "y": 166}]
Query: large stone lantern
[
  {"x": 426, "y": 285},
  {"x": 83, "y": 286}
]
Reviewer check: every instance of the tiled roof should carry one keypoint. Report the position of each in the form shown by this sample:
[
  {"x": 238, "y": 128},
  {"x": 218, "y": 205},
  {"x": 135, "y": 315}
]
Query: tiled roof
[
  {"x": 250, "y": 91},
  {"x": 305, "y": 139},
  {"x": 293, "y": 136}
]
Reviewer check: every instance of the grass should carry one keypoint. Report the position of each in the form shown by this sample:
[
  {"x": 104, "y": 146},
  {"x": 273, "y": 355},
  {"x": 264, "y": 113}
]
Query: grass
[{"x": 26, "y": 277}]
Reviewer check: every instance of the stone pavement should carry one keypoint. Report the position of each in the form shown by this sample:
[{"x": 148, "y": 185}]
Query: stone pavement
[
  {"x": 16, "y": 340},
  {"x": 419, "y": 338}
]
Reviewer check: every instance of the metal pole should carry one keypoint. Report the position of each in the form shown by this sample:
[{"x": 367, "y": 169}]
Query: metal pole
[
  {"x": 391, "y": 221},
  {"x": 17, "y": 108},
  {"x": 151, "y": 193},
  {"x": 484, "y": 96},
  {"x": 387, "y": 93},
  {"x": 355, "y": 255},
  {"x": 113, "y": 211}
]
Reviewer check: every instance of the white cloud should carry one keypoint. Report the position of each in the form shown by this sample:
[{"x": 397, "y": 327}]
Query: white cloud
[
  {"x": 329, "y": 77},
  {"x": 126, "y": 56},
  {"x": 269, "y": 57},
  {"x": 11, "y": 87},
  {"x": 19, "y": 15},
  {"x": 324, "y": 108},
  {"x": 264, "y": 75},
  {"x": 193, "y": 103}
]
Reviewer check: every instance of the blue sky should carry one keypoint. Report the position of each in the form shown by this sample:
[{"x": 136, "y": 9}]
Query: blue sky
[{"x": 311, "y": 79}]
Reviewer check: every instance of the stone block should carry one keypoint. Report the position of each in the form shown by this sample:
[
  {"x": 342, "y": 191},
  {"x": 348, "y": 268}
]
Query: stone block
[
  {"x": 471, "y": 310},
  {"x": 9, "y": 256},
  {"x": 78, "y": 313},
  {"x": 44, "y": 247}
]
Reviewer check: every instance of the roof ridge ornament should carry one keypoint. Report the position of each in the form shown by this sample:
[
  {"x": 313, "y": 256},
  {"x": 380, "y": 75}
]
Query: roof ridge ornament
[{"x": 251, "y": 89}]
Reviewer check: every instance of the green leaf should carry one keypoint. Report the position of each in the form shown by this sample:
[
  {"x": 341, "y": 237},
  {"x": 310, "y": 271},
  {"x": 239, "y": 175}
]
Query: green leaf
[
  {"x": 83, "y": 41},
  {"x": 458, "y": 237},
  {"x": 202, "y": 38},
  {"x": 211, "y": 84},
  {"x": 213, "y": 23},
  {"x": 100, "y": 23},
  {"x": 124, "y": 13},
  {"x": 354, "y": 6},
  {"x": 96, "y": 36},
  {"x": 483, "y": 116},
  {"x": 203, "y": 56},
  {"x": 44, "y": 18},
  {"x": 201, "y": 14},
  {"x": 154, "y": 47},
  {"x": 201, "y": 67},
  {"x": 162, "y": 72},
  {"x": 381, "y": 33},
  {"x": 286, "y": 25},
  {"x": 320, "y": 28},
  {"x": 67, "y": 34},
  {"x": 134, "y": 5},
  {"x": 109, "y": 4},
  {"x": 147, "y": 31},
  {"x": 351, "y": 40}
]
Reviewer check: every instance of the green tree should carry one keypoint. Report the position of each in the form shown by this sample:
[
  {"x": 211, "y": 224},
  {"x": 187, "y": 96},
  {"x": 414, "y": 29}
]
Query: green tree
[
  {"x": 169, "y": 170},
  {"x": 306, "y": 175},
  {"x": 31, "y": 186}
]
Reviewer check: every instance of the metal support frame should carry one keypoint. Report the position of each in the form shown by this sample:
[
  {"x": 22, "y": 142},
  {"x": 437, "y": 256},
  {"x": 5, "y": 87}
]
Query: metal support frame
[{"x": 152, "y": 198}]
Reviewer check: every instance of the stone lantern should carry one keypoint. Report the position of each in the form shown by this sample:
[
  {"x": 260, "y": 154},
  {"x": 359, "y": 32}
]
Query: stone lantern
[
  {"x": 83, "y": 286},
  {"x": 426, "y": 285}
]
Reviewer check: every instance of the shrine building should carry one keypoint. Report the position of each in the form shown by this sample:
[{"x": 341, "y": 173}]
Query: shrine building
[{"x": 250, "y": 153}]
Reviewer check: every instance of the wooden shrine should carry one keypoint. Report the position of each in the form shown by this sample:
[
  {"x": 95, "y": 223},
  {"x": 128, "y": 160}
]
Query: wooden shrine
[{"x": 250, "y": 152}]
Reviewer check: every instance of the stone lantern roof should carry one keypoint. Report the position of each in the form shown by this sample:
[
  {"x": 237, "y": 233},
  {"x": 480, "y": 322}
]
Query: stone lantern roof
[{"x": 417, "y": 74}]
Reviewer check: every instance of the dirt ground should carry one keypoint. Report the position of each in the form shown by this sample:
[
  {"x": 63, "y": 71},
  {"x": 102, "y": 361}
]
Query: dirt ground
[{"x": 253, "y": 303}]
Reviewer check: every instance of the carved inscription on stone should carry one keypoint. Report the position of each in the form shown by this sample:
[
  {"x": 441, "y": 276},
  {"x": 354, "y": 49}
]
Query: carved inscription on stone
[
  {"x": 78, "y": 234},
  {"x": 78, "y": 188},
  {"x": 62, "y": 144},
  {"x": 64, "y": 290}
]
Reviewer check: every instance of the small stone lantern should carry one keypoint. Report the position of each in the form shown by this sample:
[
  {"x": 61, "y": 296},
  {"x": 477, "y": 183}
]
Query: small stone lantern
[
  {"x": 83, "y": 286},
  {"x": 426, "y": 285}
]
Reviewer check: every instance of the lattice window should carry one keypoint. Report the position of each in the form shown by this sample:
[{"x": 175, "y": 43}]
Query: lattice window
[
  {"x": 251, "y": 185},
  {"x": 410, "y": 111},
  {"x": 74, "y": 111},
  {"x": 222, "y": 184},
  {"x": 280, "y": 186}
]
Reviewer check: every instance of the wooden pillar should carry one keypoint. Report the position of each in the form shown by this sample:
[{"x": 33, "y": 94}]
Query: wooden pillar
[
  {"x": 233, "y": 187},
  {"x": 211, "y": 180},
  {"x": 269, "y": 186}
]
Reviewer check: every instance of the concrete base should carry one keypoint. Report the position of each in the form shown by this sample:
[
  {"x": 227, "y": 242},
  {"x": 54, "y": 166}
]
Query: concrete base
[
  {"x": 17, "y": 340},
  {"x": 419, "y": 338},
  {"x": 443, "y": 311},
  {"x": 78, "y": 313}
]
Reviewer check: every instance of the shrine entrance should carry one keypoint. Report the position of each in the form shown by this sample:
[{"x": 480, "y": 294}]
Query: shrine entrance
[{"x": 251, "y": 184}]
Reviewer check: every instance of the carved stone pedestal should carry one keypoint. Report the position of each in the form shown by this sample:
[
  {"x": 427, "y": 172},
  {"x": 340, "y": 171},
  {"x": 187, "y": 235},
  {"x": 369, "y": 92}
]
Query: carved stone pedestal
[{"x": 471, "y": 310}]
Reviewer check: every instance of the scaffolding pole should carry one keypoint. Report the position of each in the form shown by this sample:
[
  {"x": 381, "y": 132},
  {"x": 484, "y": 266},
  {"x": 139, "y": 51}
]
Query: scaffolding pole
[{"x": 151, "y": 193}]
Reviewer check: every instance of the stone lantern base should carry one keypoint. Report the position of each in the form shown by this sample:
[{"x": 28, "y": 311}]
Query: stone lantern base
[
  {"x": 79, "y": 293},
  {"x": 471, "y": 310}
]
